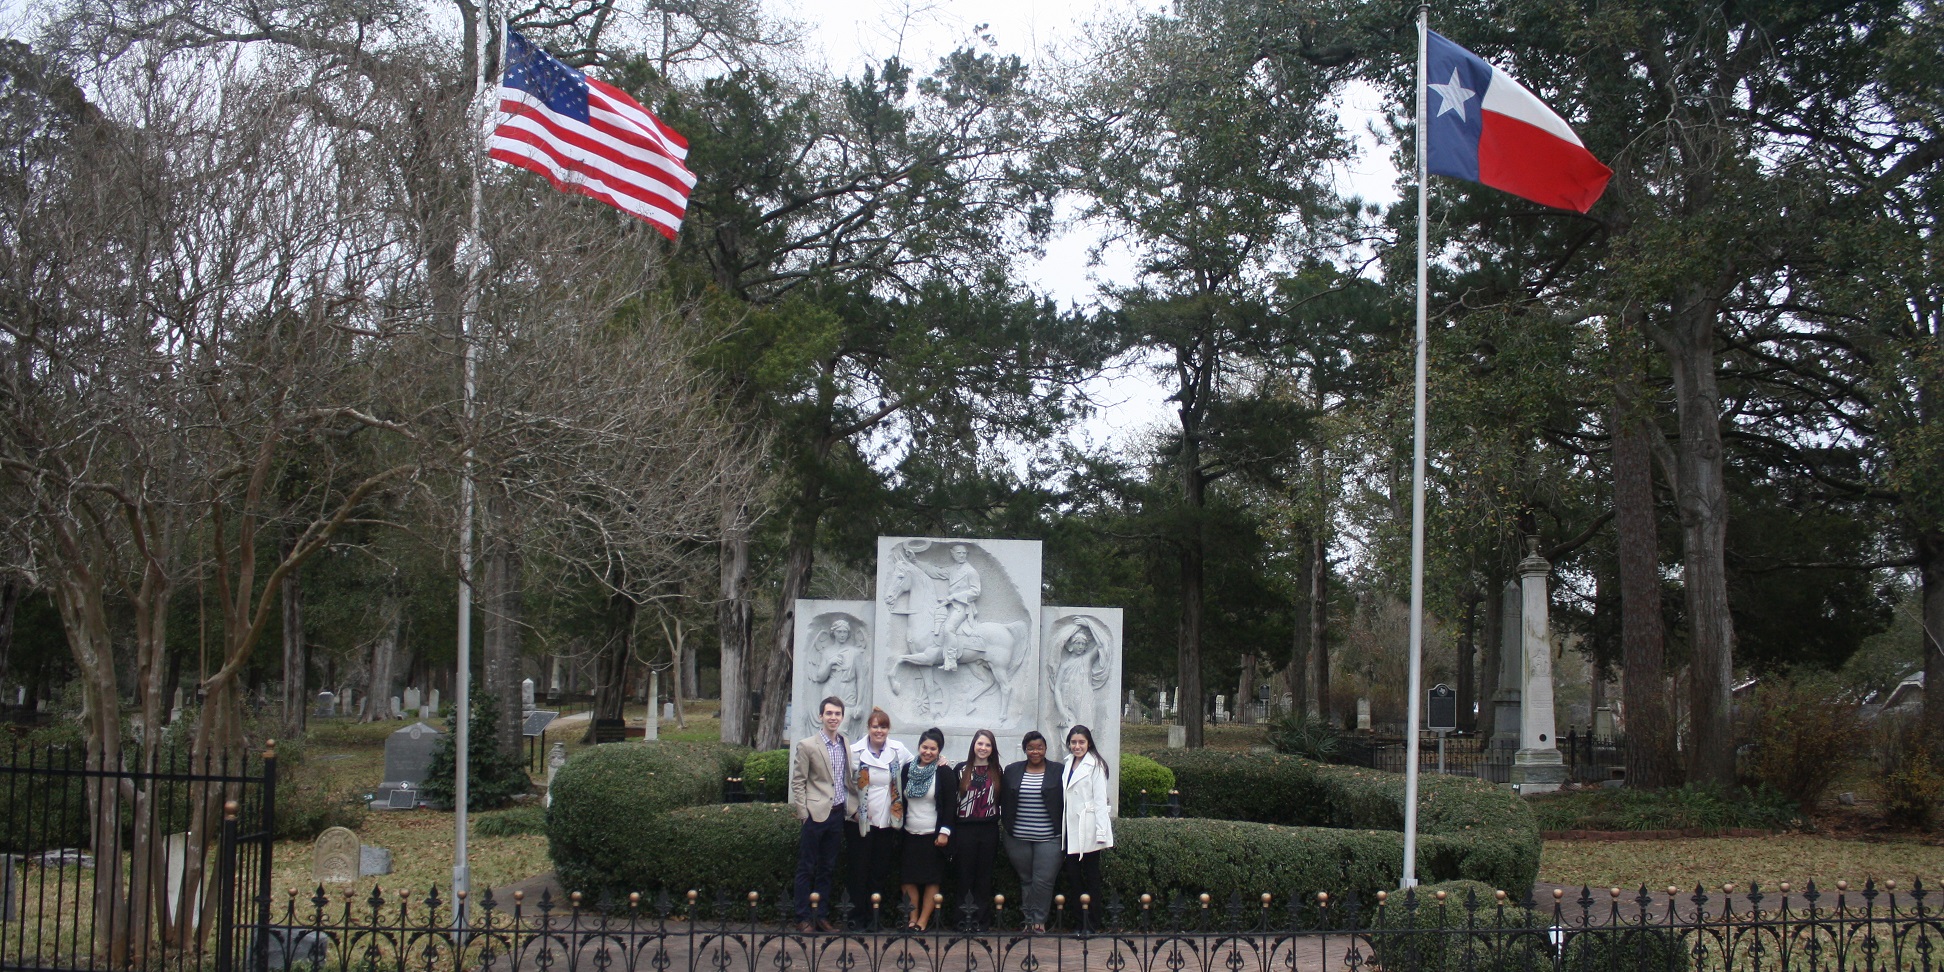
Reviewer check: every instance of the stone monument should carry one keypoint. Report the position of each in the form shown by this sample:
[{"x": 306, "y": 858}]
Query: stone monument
[
  {"x": 956, "y": 638},
  {"x": 1537, "y": 767},
  {"x": 335, "y": 856},
  {"x": 408, "y": 757},
  {"x": 1505, "y": 699},
  {"x": 326, "y": 705}
]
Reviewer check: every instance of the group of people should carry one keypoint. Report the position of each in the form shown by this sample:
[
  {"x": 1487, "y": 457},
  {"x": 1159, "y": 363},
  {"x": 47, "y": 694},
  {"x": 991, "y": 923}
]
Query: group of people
[{"x": 918, "y": 816}]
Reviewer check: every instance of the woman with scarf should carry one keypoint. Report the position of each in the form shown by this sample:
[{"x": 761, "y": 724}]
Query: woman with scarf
[
  {"x": 930, "y": 788},
  {"x": 880, "y": 817}
]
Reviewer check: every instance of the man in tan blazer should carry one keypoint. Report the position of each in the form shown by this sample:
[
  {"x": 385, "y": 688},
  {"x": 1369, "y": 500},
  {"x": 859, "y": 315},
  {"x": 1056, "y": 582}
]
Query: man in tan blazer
[{"x": 823, "y": 792}]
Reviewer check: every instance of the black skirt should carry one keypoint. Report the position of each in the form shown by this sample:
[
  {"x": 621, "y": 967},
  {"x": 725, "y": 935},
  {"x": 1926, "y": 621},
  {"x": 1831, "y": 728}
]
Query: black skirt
[{"x": 924, "y": 860}]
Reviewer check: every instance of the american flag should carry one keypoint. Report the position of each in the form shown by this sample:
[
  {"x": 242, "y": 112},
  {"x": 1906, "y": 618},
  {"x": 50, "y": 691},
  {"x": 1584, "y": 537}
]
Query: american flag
[{"x": 589, "y": 137}]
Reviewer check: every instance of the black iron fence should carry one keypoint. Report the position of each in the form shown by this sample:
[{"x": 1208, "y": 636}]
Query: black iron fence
[
  {"x": 157, "y": 866},
  {"x": 1808, "y": 931},
  {"x": 1588, "y": 760}
]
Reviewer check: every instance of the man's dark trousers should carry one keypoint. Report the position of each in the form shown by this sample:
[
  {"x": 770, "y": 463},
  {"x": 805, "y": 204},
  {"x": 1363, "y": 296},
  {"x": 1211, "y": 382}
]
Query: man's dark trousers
[{"x": 817, "y": 849}]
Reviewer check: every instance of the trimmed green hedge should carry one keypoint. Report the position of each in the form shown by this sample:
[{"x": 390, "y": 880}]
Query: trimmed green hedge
[
  {"x": 1137, "y": 773},
  {"x": 767, "y": 774},
  {"x": 1330, "y": 828},
  {"x": 607, "y": 799},
  {"x": 1472, "y": 931},
  {"x": 1466, "y": 828}
]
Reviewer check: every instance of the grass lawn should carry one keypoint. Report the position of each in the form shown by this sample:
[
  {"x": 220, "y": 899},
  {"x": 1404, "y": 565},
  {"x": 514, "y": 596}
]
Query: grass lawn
[{"x": 1714, "y": 861}]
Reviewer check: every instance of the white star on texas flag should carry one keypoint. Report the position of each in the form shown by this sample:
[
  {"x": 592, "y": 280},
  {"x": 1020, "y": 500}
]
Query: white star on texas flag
[{"x": 1455, "y": 94}]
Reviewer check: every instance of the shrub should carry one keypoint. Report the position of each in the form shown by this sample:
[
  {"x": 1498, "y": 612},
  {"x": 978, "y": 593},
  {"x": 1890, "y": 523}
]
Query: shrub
[
  {"x": 1303, "y": 734},
  {"x": 1693, "y": 805},
  {"x": 1912, "y": 785},
  {"x": 1797, "y": 734},
  {"x": 1139, "y": 773},
  {"x": 608, "y": 799},
  {"x": 493, "y": 777},
  {"x": 1467, "y": 828},
  {"x": 1632, "y": 947},
  {"x": 767, "y": 774},
  {"x": 1470, "y": 929}
]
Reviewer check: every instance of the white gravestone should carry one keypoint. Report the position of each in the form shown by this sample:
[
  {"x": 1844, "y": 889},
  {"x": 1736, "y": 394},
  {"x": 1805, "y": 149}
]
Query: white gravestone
[
  {"x": 326, "y": 705},
  {"x": 397, "y": 709},
  {"x": 526, "y": 695},
  {"x": 1363, "y": 714},
  {"x": 335, "y": 856},
  {"x": 668, "y": 712},
  {"x": 432, "y": 700},
  {"x": 175, "y": 856},
  {"x": 555, "y": 760},
  {"x": 1221, "y": 708},
  {"x": 413, "y": 700},
  {"x": 652, "y": 728},
  {"x": 1537, "y": 767}
]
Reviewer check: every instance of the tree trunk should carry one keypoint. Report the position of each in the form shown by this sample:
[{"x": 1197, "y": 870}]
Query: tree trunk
[
  {"x": 681, "y": 665},
  {"x": 611, "y": 666},
  {"x": 1319, "y": 646},
  {"x": 384, "y": 651},
  {"x": 295, "y": 656},
  {"x": 735, "y": 621},
  {"x": 1650, "y": 755},
  {"x": 9, "y": 607},
  {"x": 1245, "y": 687},
  {"x": 1467, "y": 678},
  {"x": 1296, "y": 677},
  {"x": 1930, "y": 550},
  {"x": 780, "y": 666},
  {"x": 1703, "y": 500},
  {"x": 1492, "y": 655},
  {"x": 1188, "y": 656},
  {"x": 502, "y": 618}
]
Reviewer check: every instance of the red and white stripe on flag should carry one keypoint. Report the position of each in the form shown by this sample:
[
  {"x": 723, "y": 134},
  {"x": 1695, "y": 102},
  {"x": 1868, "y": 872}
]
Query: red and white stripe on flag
[{"x": 588, "y": 137}]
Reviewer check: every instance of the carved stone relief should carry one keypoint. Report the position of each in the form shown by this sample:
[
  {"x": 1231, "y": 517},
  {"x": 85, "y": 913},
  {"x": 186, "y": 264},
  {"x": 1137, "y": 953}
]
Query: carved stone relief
[{"x": 833, "y": 657}]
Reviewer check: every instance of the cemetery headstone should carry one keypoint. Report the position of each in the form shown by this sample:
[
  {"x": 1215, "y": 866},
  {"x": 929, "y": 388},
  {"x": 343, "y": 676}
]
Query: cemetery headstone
[
  {"x": 326, "y": 705},
  {"x": 373, "y": 861},
  {"x": 555, "y": 760},
  {"x": 1603, "y": 722},
  {"x": 526, "y": 695},
  {"x": 652, "y": 728},
  {"x": 335, "y": 856},
  {"x": 1363, "y": 715},
  {"x": 1177, "y": 737},
  {"x": 413, "y": 699},
  {"x": 1221, "y": 708},
  {"x": 408, "y": 757},
  {"x": 175, "y": 855},
  {"x": 432, "y": 700}
]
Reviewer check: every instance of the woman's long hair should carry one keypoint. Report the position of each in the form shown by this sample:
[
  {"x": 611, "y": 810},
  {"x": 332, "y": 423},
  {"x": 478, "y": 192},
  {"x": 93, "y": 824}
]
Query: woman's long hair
[
  {"x": 972, "y": 749},
  {"x": 1092, "y": 749}
]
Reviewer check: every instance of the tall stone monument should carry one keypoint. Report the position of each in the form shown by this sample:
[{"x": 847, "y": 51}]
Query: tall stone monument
[
  {"x": 1537, "y": 767},
  {"x": 955, "y": 637},
  {"x": 1511, "y": 671}
]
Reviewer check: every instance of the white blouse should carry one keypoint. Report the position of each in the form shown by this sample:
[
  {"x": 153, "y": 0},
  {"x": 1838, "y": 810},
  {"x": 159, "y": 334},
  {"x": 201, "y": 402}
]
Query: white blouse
[{"x": 884, "y": 770}]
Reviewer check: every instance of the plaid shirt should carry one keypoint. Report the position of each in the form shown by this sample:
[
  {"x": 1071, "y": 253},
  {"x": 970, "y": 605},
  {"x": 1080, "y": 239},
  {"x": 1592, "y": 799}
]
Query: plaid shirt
[{"x": 835, "y": 749}]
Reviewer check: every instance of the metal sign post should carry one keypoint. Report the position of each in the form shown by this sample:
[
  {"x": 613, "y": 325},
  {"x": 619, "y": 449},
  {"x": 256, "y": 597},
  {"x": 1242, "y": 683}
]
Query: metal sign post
[{"x": 1442, "y": 717}]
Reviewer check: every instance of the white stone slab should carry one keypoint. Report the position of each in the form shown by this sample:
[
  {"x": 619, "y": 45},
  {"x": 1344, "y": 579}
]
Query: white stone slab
[
  {"x": 1080, "y": 678},
  {"x": 834, "y": 651},
  {"x": 958, "y": 634}
]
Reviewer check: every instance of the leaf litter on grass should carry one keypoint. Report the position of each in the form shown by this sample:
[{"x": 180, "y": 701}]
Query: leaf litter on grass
[{"x": 1714, "y": 861}]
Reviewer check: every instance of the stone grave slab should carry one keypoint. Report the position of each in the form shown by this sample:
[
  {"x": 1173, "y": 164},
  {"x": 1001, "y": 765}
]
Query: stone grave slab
[
  {"x": 374, "y": 861},
  {"x": 334, "y": 856},
  {"x": 326, "y": 705}
]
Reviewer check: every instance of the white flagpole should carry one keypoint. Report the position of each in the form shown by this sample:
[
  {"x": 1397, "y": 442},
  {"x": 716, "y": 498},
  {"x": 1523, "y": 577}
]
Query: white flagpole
[
  {"x": 462, "y": 690},
  {"x": 1417, "y": 487}
]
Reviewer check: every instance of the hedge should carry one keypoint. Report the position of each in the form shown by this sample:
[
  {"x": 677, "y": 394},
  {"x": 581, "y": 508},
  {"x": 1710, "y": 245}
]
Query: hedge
[
  {"x": 752, "y": 847},
  {"x": 611, "y": 834},
  {"x": 767, "y": 774},
  {"x": 1139, "y": 773},
  {"x": 1466, "y": 828},
  {"x": 1472, "y": 931},
  {"x": 607, "y": 799}
]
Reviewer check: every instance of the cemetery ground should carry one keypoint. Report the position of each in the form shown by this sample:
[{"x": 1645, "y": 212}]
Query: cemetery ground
[{"x": 344, "y": 760}]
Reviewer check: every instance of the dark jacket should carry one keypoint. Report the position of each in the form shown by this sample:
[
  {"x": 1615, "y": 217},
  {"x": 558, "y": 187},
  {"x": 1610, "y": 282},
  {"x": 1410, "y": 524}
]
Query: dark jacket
[
  {"x": 944, "y": 790},
  {"x": 1050, "y": 791}
]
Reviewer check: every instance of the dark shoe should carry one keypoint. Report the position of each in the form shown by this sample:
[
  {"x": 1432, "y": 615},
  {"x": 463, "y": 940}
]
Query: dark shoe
[
  {"x": 805, "y": 928},
  {"x": 826, "y": 926}
]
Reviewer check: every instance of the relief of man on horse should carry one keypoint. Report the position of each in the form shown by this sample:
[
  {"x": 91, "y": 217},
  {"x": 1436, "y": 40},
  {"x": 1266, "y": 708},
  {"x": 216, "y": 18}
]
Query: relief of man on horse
[{"x": 988, "y": 652}]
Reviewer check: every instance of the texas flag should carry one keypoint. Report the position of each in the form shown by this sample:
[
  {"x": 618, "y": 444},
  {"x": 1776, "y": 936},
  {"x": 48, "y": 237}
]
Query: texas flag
[{"x": 1488, "y": 128}]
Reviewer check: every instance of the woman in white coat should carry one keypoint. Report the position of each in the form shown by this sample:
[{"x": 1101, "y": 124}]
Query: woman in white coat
[{"x": 1089, "y": 822}]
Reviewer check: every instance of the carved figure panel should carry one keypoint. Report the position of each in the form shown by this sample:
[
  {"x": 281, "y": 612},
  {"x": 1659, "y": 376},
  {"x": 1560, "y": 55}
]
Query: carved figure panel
[
  {"x": 959, "y": 621},
  {"x": 833, "y": 657},
  {"x": 1081, "y": 677}
]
